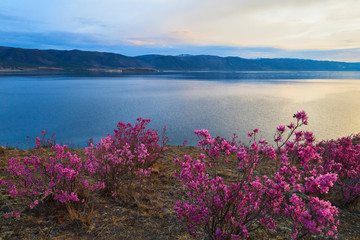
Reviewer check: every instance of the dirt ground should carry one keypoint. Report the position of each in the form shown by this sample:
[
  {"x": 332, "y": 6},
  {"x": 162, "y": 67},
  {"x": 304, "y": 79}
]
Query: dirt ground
[{"x": 145, "y": 215}]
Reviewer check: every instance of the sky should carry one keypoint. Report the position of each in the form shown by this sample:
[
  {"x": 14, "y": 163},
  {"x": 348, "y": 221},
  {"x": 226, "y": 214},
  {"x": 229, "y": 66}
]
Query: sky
[{"x": 307, "y": 29}]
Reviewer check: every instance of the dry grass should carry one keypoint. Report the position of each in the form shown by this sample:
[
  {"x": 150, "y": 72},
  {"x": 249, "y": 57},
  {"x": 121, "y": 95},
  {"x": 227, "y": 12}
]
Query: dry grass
[{"x": 143, "y": 215}]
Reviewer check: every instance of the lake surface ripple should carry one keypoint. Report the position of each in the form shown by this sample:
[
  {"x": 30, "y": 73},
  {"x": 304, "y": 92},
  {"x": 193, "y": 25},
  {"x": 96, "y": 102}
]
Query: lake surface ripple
[{"x": 78, "y": 107}]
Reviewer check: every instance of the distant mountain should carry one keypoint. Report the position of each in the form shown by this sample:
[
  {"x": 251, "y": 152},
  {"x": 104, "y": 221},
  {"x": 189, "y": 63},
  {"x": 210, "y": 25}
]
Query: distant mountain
[
  {"x": 34, "y": 59},
  {"x": 70, "y": 60},
  {"x": 199, "y": 63}
]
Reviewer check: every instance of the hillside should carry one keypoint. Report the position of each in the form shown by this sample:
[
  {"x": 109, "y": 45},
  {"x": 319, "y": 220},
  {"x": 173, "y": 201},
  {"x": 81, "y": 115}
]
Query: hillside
[{"x": 73, "y": 60}]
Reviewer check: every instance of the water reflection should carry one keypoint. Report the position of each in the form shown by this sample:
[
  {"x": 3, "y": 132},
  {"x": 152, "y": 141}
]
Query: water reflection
[{"x": 80, "y": 107}]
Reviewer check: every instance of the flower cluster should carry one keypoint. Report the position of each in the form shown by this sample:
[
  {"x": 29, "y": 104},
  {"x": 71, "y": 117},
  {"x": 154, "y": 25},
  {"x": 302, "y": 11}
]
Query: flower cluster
[
  {"x": 125, "y": 157},
  {"x": 59, "y": 178},
  {"x": 45, "y": 142},
  {"x": 342, "y": 156},
  {"x": 232, "y": 208}
]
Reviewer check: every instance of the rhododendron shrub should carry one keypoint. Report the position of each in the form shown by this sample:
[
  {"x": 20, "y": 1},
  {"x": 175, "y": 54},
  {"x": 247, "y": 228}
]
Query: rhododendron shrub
[
  {"x": 226, "y": 208},
  {"x": 125, "y": 159},
  {"x": 342, "y": 156},
  {"x": 45, "y": 142},
  {"x": 58, "y": 178}
]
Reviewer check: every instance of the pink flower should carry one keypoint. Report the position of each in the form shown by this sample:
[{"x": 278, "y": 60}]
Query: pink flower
[
  {"x": 278, "y": 139},
  {"x": 262, "y": 141},
  {"x": 281, "y": 129},
  {"x": 266, "y": 198},
  {"x": 291, "y": 126},
  {"x": 301, "y": 116},
  {"x": 37, "y": 142}
]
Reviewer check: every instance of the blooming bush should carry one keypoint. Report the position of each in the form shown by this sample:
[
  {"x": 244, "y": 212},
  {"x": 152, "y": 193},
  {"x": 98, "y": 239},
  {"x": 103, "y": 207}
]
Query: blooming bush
[
  {"x": 228, "y": 208},
  {"x": 342, "y": 156},
  {"x": 58, "y": 178},
  {"x": 125, "y": 158}
]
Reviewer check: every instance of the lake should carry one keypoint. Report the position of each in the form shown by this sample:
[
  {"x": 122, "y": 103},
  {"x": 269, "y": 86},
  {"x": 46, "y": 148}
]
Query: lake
[{"x": 77, "y": 107}]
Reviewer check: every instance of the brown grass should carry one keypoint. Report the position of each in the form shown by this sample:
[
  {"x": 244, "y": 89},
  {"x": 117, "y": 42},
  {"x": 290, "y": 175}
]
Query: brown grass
[{"x": 145, "y": 214}]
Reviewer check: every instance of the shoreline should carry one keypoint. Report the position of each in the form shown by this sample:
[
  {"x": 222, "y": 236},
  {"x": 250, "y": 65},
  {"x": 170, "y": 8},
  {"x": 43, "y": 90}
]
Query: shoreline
[{"x": 42, "y": 70}]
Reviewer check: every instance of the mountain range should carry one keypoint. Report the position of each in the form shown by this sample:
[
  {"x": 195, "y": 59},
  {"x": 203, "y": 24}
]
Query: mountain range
[{"x": 76, "y": 60}]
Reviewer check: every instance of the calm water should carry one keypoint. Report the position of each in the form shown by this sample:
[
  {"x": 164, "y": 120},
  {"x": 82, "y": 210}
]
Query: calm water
[{"x": 78, "y": 107}]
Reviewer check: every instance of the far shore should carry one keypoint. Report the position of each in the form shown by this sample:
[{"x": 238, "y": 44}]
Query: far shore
[{"x": 54, "y": 69}]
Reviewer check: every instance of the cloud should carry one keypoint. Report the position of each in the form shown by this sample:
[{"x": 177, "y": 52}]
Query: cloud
[
  {"x": 251, "y": 28},
  {"x": 135, "y": 47},
  {"x": 138, "y": 42},
  {"x": 11, "y": 22},
  {"x": 46, "y": 40}
]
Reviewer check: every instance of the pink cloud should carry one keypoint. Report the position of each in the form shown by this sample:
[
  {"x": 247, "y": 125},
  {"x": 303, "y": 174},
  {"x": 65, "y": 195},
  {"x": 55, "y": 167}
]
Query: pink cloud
[{"x": 139, "y": 42}]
